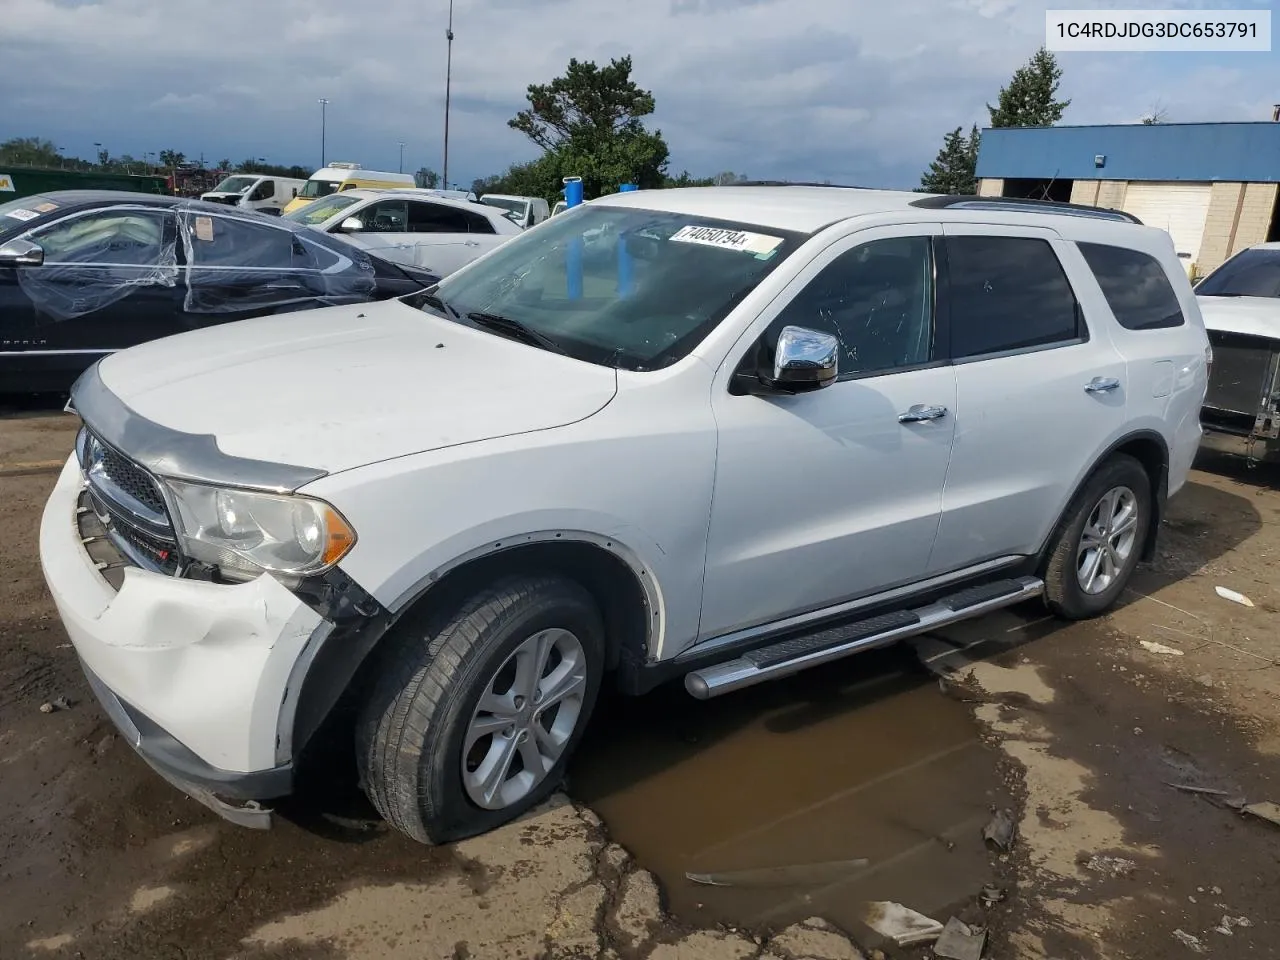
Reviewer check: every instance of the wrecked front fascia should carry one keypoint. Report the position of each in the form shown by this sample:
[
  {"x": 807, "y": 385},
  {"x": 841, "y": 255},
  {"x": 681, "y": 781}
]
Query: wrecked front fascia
[{"x": 229, "y": 264}]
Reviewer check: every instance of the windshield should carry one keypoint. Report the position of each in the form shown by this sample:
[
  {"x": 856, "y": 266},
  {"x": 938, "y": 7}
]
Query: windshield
[
  {"x": 1252, "y": 273},
  {"x": 320, "y": 188},
  {"x": 648, "y": 286},
  {"x": 515, "y": 209},
  {"x": 321, "y": 210},
  {"x": 235, "y": 185}
]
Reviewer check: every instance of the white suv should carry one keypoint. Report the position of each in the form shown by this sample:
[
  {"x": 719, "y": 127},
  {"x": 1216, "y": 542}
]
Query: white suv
[{"x": 719, "y": 434}]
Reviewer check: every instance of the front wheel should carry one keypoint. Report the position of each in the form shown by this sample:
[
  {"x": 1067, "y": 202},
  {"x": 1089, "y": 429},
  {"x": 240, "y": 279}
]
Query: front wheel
[
  {"x": 474, "y": 714},
  {"x": 1098, "y": 545}
]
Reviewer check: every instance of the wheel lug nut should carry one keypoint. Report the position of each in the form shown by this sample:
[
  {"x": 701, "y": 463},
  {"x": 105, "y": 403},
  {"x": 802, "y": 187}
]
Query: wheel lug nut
[{"x": 519, "y": 702}]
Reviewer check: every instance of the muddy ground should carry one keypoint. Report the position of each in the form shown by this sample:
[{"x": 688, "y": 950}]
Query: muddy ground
[{"x": 801, "y": 801}]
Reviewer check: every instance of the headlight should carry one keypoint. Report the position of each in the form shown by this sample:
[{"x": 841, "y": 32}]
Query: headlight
[{"x": 247, "y": 533}]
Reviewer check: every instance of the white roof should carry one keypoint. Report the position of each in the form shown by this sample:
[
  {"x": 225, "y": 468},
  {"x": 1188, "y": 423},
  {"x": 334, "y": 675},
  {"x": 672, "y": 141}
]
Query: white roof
[{"x": 783, "y": 207}]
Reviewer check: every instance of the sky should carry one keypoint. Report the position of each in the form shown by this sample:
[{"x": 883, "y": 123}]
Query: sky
[{"x": 843, "y": 90}]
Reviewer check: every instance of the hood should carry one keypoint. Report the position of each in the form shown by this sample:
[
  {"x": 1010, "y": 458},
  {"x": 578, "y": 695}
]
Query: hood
[
  {"x": 1252, "y": 316},
  {"x": 341, "y": 387}
]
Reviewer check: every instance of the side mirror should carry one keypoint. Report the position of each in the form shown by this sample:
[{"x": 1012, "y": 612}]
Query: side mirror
[
  {"x": 803, "y": 360},
  {"x": 352, "y": 225},
  {"x": 21, "y": 253}
]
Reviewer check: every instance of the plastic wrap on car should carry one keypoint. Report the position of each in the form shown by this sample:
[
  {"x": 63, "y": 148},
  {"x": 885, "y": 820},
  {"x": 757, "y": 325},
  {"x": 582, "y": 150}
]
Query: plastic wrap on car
[
  {"x": 234, "y": 265},
  {"x": 87, "y": 272}
]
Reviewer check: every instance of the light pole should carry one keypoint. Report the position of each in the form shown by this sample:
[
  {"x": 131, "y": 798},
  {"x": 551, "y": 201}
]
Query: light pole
[
  {"x": 448, "y": 80},
  {"x": 401, "y": 142},
  {"x": 323, "y": 104},
  {"x": 101, "y": 162}
]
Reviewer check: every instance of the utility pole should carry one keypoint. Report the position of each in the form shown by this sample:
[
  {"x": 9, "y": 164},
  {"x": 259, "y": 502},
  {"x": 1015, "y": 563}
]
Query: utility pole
[
  {"x": 323, "y": 104},
  {"x": 401, "y": 142},
  {"x": 448, "y": 80}
]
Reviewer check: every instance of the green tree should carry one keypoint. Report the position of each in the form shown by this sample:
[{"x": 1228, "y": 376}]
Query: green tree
[
  {"x": 588, "y": 123},
  {"x": 427, "y": 178},
  {"x": 104, "y": 158},
  {"x": 224, "y": 164},
  {"x": 952, "y": 170},
  {"x": 30, "y": 152},
  {"x": 172, "y": 159},
  {"x": 1028, "y": 100},
  {"x": 685, "y": 180}
]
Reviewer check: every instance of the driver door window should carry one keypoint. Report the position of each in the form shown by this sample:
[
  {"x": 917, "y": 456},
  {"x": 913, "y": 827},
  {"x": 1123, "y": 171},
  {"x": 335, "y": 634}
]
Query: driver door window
[
  {"x": 877, "y": 300},
  {"x": 385, "y": 216}
]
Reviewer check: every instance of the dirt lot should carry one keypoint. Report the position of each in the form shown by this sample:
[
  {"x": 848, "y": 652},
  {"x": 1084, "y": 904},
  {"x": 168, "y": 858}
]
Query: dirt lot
[{"x": 802, "y": 801}]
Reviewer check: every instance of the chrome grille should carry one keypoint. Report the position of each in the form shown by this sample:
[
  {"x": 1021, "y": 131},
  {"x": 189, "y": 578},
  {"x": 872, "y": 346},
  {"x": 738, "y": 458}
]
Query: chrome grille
[
  {"x": 132, "y": 480},
  {"x": 129, "y": 509}
]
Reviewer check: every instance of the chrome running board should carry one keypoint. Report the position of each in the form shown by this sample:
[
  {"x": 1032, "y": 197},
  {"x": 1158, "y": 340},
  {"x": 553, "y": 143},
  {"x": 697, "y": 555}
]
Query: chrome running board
[{"x": 811, "y": 649}]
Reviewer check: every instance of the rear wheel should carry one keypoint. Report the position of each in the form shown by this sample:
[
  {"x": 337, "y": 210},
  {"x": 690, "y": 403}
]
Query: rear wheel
[
  {"x": 475, "y": 714},
  {"x": 1099, "y": 544}
]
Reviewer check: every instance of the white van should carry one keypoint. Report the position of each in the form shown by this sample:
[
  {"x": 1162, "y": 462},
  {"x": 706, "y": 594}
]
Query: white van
[
  {"x": 525, "y": 211},
  {"x": 253, "y": 192},
  {"x": 347, "y": 176}
]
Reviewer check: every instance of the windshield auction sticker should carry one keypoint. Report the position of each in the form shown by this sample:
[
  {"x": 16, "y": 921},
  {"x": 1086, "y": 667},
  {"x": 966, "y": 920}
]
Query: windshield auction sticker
[
  {"x": 21, "y": 214},
  {"x": 760, "y": 244}
]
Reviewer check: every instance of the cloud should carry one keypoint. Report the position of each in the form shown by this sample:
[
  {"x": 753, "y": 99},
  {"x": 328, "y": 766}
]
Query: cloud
[{"x": 802, "y": 89}]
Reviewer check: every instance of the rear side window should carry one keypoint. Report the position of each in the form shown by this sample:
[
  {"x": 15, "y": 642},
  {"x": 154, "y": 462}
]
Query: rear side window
[
  {"x": 1135, "y": 285},
  {"x": 1008, "y": 293}
]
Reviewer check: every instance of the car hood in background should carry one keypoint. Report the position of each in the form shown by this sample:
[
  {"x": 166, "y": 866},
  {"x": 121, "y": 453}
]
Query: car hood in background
[{"x": 1251, "y": 316}]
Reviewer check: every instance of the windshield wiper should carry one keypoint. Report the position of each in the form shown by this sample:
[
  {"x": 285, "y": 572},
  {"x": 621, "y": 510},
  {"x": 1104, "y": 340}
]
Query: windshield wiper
[
  {"x": 436, "y": 301},
  {"x": 494, "y": 321}
]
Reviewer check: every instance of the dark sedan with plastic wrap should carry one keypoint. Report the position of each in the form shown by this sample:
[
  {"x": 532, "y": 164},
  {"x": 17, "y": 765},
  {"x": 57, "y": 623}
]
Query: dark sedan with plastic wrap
[{"x": 86, "y": 273}]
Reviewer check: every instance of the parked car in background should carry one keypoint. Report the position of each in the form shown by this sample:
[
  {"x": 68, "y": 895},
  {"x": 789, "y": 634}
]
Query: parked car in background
[
  {"x": 525, "y": 212},
  {"x": 1241, "y": 306},
  {"x": 560, "y": 207},
  {"x": 337, "y": 177},
  {"x": 86, "y": 273},
  {"x": 417, "y": 228},
  {"x": 265, "y": 194},
  {"x": 754, "y": 431}
]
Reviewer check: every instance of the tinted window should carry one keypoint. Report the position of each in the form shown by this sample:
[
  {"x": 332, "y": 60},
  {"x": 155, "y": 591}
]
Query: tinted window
[
  {"x": 1251, "y": 273},
  {"x": 478, "y": 224},
  {"x": 436, "y": 218},
  {"x": 1007, "y": 293},
  {"x": 1135, "y": 285},
  {"x": 877, "y": 300},
  {"x": 223, "y": 242},
  {"x": 385, "y": 216}
]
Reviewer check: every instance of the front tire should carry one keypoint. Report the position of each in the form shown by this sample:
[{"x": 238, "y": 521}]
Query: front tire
[
  {"x": 475, "y": 713},
  {"x": 1099, "y": 544}
]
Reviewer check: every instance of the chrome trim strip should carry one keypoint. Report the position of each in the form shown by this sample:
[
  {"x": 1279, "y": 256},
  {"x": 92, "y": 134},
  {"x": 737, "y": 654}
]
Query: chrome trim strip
[
  {"x": 55, "y": 353},
  {"x": 166, "y": 452},
  {"x": 737, "y": 674},
  {"x": 841, "y": 609}
]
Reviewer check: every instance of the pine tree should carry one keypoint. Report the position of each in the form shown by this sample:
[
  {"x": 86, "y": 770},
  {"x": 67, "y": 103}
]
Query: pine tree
[
  {"x": 1028, "y": 100},
  {"x": 952, "y": 171}
]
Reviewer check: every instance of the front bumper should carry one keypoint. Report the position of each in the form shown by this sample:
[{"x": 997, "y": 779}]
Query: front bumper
[{"x": 196, "y": 675}]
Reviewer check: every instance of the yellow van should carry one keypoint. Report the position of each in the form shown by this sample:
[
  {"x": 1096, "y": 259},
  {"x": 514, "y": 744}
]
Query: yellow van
[{"x": 346, "y": 176}]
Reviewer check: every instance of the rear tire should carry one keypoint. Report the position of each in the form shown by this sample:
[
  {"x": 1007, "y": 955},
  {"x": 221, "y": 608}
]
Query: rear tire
[
  {"x": 475, "y": 711},
  {"x": 1096, "y": 549}
]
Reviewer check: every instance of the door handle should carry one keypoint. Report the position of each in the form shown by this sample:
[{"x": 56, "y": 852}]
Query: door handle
[
  {"x": 921, "y": 412},
  {"x": 1101, "y": 385}
]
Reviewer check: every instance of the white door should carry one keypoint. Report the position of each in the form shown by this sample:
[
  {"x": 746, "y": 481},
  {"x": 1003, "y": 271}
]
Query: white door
[
  {"x": 825, "y": 496},
  {"x": 1178, "y": 208},
  {"x": 1040, "y": 388},
  {"x": 416, "y": 233}
]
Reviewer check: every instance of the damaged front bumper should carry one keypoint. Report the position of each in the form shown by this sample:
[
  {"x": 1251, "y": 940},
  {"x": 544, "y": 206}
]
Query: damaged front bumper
[
  {"x": 233, "y": 796},
  {"x": 198, "y": 676}
]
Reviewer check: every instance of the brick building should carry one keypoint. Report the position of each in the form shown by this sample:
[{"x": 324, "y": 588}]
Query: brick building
[{"x": 1211, "y": 185}]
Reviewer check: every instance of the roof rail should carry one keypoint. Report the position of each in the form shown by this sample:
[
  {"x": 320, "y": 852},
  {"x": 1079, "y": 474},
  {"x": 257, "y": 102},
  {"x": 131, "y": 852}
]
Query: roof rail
[
  {"x": 794, "y": 183},
  {"x": 1022, "y": 204}
]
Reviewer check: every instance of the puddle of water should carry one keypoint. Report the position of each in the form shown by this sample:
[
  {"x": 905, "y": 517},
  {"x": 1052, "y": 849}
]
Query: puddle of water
[{"x": 864, "y": 758}]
